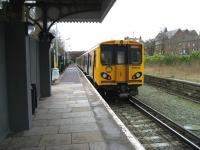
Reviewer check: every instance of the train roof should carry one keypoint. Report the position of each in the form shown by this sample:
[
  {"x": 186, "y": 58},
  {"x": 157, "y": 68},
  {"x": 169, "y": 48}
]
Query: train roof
[{"x": 131, "y": 41}]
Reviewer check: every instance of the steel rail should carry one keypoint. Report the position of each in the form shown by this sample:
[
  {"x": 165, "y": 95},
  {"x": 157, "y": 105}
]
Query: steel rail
[{"x": 184, "y": 134}]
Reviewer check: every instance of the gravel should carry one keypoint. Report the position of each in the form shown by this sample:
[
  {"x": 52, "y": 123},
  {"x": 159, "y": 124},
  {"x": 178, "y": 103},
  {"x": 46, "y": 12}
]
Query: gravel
[{"x": 183, "y": 111}]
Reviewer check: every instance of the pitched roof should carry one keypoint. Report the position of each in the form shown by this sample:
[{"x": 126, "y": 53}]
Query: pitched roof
[
  {"x": 171, "y": 33},
  {"x": 167, "y": 34}
]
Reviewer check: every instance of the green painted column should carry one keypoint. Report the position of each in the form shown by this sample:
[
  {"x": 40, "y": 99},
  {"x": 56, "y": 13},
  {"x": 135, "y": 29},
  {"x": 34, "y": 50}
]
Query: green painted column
[
  {"x": 45, "y": 66},
  {"x": 18, "y": 76},
  {"x": 4, "y": 120}
]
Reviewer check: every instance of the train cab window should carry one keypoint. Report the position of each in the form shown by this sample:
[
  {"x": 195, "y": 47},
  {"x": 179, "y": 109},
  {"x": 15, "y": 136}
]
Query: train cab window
[
  {"x": 121, "y": 54},
  {"x": 135, "y": 55},
  {"x": 120, "y": 57},
  {"x": 106, "y": 54}
]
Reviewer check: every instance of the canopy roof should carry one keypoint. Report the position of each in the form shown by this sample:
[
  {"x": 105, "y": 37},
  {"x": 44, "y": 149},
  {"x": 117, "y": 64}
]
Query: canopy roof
[{"x": 73, "y": 10}]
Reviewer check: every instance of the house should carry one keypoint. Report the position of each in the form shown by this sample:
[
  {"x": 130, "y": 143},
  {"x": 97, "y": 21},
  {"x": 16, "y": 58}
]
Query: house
[{"x": 177, "y": 41}]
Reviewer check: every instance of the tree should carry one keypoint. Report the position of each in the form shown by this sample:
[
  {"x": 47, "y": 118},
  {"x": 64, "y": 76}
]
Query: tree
[
  {"x": 162, "y": 38},
  {"x": 150, "y": 47}
]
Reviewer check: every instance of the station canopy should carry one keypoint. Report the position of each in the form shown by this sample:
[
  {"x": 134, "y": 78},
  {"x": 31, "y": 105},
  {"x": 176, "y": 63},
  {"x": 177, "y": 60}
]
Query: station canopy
[{"x": 70, "y": 10}]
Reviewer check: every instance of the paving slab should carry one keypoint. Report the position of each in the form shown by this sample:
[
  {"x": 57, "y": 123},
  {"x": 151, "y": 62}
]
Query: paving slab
[
  {"x": 86, "y": 137},
  {"x": 55, "y": 139},
  {"x": 41, "y": 130},
  {"x": 79, "y": 105},
  {"x": 40, "y": 123},
  {"x": 5, "y": 143},
  {"x": 69, "y": 147},
  {"x": 57, "y": 110},
  {"x": 83, "y": 120},
  {"x": 78, "y": 128},
  {"x": 60, "y": 122},
  {"x": 33, "y": 148},
  {"x": 98, "y": 146},
  {"x": 78, "y": 114},
  {"x": 48, "y": 116},
  {"x": 23, "y": 142},
  {"x": 80, "y": 109}
]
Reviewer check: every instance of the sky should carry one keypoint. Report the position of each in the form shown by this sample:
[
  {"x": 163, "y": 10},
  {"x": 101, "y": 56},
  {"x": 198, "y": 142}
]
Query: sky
[{"x": 133, "y": 18}]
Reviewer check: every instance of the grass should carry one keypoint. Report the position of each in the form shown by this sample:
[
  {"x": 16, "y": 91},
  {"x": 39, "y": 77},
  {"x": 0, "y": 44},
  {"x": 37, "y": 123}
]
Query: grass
[{"x": 184, "y": 67}]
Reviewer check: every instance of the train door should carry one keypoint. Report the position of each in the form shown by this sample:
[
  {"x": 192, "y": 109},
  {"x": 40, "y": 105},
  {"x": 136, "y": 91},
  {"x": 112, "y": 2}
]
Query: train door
[
  {"x": 136, "y": 66},
  {"x": 90, "y": 64},
  {"x": 107, "y": 69},
  {"x": 86, "y": 62},
  {"x": 121, "y": 61},
  {"x": 93, "y": 64}
]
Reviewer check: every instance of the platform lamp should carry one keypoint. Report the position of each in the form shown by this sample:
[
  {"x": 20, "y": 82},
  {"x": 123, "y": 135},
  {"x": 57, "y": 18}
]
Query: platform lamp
[
  {"x": 3, "y": 3},
  {"x": 3, "y": 8},
  {"x": 29, "y": 28}
]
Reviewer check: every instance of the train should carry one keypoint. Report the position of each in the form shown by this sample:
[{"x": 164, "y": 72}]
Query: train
[{"x": 115, "y": 66}]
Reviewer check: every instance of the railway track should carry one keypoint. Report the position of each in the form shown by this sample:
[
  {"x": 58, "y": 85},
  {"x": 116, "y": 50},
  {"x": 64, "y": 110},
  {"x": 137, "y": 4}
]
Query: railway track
[{"x": 152, "y": 129}]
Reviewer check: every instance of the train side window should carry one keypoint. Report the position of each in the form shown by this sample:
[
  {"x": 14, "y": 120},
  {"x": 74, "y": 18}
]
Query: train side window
[
  {"x": 94, "y": 59},
  {"x": 84, "y": 60},
  {"x": 90, "y": 62}
]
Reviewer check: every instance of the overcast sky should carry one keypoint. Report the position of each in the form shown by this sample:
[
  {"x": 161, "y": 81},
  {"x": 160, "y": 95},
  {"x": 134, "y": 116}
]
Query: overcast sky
[{"x": 145, "y": 18}]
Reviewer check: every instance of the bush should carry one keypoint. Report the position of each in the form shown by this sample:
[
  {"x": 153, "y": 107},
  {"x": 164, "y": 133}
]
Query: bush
[
  {"x": 172, "y": 59},
  {"x": 155, "y": 59},
  {"x": 195, "y": 55}
]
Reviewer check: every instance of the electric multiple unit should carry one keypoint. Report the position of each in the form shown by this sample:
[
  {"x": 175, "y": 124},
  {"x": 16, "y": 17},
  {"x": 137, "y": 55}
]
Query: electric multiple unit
[{"x": 115, "y": 66}]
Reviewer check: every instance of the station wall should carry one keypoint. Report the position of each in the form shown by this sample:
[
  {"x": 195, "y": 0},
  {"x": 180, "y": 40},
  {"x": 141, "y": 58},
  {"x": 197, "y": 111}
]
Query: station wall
[
  {"x": 34, "y": 63},
  {"x": 19, "y": 68}
]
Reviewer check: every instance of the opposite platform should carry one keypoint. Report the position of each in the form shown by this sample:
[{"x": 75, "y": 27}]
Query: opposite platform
[{"x": 75, "y": 117}]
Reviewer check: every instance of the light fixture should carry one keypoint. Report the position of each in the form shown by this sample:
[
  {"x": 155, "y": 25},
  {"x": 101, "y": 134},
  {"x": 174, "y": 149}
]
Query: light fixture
[
  {"x": 104, "y": 75},
  {"x": 35, "y": 13},
  {"x": 30, "y": 28},
  {"x": 137, "y": 75},
  {"x": 2, "y": 3}
]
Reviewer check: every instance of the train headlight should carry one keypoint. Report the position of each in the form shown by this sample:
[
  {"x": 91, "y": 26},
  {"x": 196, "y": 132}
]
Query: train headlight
[
  {"x": 104, "y": 75},
  {"x": 137, "y": 75}
]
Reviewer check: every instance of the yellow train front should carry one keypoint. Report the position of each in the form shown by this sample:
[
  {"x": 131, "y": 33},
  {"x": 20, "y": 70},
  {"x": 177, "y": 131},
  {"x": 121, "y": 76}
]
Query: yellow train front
[{"x": 115, "y": 66}]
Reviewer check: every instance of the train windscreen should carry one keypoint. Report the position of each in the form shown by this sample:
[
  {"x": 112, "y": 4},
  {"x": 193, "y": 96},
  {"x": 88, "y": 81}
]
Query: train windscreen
[
  {"x": 121, "y": 54},
  {"x": 135, "y": 54},
  {"x": 106, "y": 54}
]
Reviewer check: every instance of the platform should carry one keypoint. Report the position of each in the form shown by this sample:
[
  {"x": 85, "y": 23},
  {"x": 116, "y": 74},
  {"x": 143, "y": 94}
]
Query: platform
[{"x": 75, "y": 117}]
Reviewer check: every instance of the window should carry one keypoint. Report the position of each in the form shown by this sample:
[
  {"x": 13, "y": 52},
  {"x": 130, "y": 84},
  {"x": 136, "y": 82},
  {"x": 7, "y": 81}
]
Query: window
[
  {"x": 106, "y": 54},
  {"x": 121, "y": 51},
  {"x": 135, "y": 54},
  {"x": 120, "y": 57},
  {"x": 90, "y": 61},
  {"x": 121, "y": 54}
]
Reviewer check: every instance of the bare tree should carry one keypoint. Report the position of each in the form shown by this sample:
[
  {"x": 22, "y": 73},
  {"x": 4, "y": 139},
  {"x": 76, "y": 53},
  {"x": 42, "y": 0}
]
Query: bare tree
[{"x": 150, "y": 47}]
